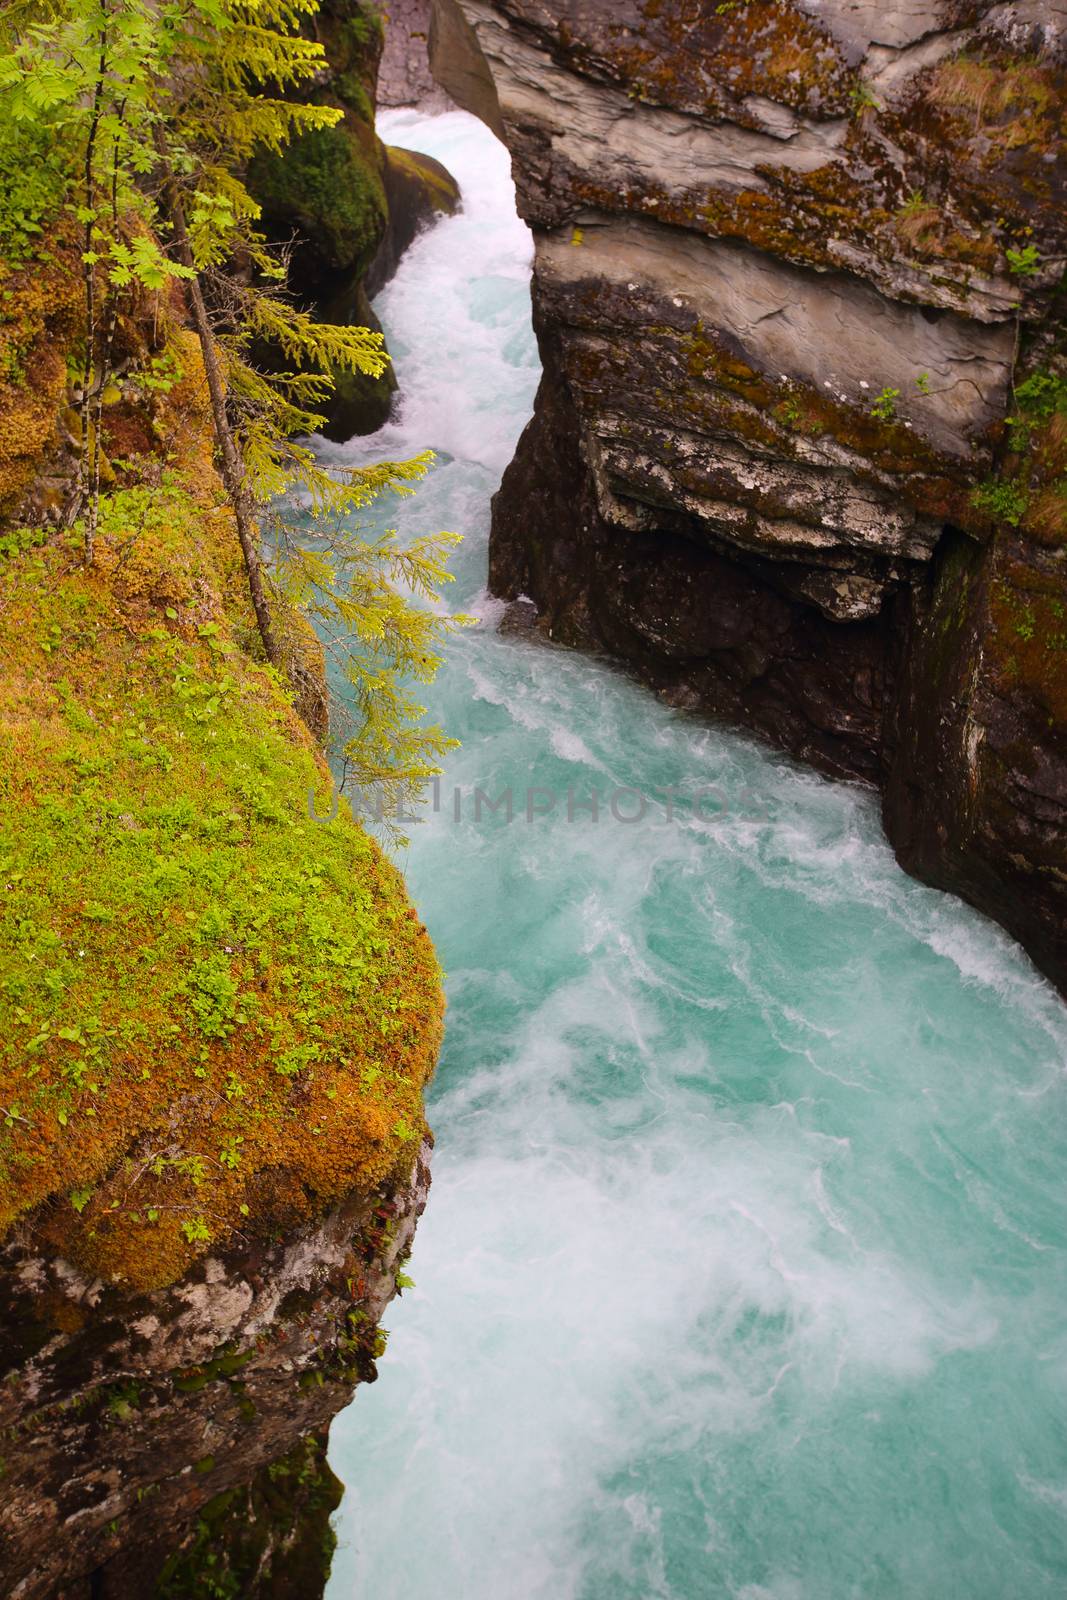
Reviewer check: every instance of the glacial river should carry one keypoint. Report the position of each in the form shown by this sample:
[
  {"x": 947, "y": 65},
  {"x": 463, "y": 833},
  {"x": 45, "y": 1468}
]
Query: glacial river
[{"x": 743, "y": 1270}]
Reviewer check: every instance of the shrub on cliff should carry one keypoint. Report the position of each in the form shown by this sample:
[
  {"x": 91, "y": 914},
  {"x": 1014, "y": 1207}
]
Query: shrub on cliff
[
  {"x": 218, "y": 1013},
  {"x": 158, "y": 112}
]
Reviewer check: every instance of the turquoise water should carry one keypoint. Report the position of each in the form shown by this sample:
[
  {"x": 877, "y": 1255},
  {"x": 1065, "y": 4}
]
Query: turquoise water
[{"x": 743, "y": 1270}]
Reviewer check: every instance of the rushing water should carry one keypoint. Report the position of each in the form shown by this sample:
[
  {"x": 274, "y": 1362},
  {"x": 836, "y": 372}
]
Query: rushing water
[{"x": 743, "y": 1272}]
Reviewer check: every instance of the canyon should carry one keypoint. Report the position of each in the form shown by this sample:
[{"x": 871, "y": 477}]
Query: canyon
[
  {"x": 797, "y": 456},
  {"x": 798, "y": 459}
]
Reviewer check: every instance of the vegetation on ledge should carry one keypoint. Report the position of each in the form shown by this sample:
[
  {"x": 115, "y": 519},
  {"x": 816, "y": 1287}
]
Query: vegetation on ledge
[
  {"x": 220, "y": 1012},
  {"x": 328, "y": 183}
]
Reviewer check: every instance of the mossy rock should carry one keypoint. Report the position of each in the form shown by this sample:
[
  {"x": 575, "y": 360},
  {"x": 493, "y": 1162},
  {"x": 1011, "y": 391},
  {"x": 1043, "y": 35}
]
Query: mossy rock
[
  {"x": 218, "y": 1012},
  {"x": 418, "y": 190},
  {"x": 359, "y": 404},
  {"x": 327, "y": 185},
  {"x": 352, "y": 204}
]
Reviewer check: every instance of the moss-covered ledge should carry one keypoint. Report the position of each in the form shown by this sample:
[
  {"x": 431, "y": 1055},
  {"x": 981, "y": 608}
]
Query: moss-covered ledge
[
  {"x": 217, "y": 1009},
  {"x": 218, "y": 1016}
]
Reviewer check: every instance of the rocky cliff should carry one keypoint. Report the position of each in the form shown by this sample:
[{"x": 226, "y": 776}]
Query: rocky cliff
[
  {"x": 798, "y": 453},
  {"x": 173, "y": 1444},
  {"x": 219, "y": 1013},
  {"x": 346, "y": 205},
  {"x": 404, "y": 77}
]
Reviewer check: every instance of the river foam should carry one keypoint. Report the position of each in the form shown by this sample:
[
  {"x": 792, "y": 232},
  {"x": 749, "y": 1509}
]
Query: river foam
[{"x": 743, "y": 1270}]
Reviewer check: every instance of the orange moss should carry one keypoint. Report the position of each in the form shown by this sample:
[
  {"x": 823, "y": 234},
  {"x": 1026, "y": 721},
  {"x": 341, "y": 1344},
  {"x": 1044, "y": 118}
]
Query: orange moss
[
  {"x": 767, "y": 47},
  {"x": 218, "y": 1013},
  {"x": 39, "y": 306},
  {"x": 1046, "y": 516}
]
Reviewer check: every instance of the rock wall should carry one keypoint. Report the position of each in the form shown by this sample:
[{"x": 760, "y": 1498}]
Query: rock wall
[
  {"x": 404, "y": 78},
  {"x": 347, "y": 205},
  {"x": 796, "y": 260},
  {"x": 142, "y": 1436}
]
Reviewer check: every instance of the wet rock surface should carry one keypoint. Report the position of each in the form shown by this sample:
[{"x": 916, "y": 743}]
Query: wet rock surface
[
  {"x": 347, "y": 206},
  {"x": 791, "y": 261},
  {"x": 712, "y": 630},
  {"x": 418, "y": 190},
  {"x": 404, "y": 78},
  {"x": 155, "y": 1442}
]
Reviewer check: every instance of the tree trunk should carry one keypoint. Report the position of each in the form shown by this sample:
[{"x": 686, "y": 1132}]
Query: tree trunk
[
  {"x": 232, "y": 465},
  {"x": 86, "y": 498}
]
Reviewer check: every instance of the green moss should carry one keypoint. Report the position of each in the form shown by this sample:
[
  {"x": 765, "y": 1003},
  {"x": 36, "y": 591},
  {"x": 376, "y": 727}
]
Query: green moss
[
  {"x": 1030, "y": 488},
  {"x": 363, "y": 30},
  {"x": 274, "y": 1534},
  {"x": 433, "y": 181},
  {"x": 328, "y": 187},
  {"x": 223, "y": 1366},
  {"x": 1024, "y": 509},
  {"x": 350, "y": 89},
  {"x": 217, "y": 1013},
  {"x": 360, "y": 403},
  {"x": 327, "y": 184}
]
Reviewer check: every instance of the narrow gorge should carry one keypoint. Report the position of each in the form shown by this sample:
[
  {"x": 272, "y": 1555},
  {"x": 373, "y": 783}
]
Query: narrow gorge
[
  {"x": 743, "y": 1268},
  {"x": 726, "y": 341},
  {"x": 796, "y": 264}
]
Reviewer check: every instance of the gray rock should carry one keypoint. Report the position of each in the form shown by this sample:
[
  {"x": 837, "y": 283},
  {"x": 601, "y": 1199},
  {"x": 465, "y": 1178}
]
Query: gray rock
[{"x": 132, "y": 1415}]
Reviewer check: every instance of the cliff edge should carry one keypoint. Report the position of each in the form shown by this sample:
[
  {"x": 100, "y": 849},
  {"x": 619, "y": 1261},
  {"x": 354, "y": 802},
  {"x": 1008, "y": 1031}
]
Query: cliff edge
[
  {"x": 798, "y": 453},
  {"x": 220, "y": 1010}
]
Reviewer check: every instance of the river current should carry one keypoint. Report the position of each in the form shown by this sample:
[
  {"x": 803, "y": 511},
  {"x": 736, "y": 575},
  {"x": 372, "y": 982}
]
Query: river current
[{"x": 743, "y": 1270}]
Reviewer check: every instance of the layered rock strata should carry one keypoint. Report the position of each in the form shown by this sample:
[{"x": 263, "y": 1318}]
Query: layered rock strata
[{"x": 795, "y": 265}]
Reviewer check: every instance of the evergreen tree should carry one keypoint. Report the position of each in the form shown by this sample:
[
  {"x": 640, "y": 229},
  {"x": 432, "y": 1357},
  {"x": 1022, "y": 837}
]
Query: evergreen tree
[{"x": 159, "y": 108}]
